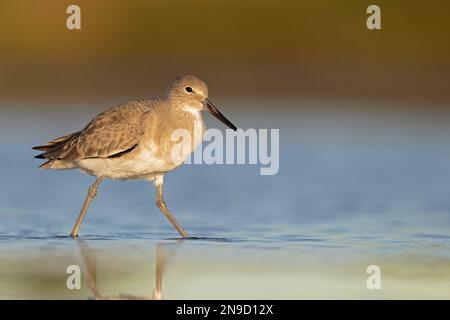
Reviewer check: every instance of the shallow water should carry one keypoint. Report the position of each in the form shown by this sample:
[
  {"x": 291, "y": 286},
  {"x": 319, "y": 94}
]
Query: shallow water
[{"x": 351, "y": 192}]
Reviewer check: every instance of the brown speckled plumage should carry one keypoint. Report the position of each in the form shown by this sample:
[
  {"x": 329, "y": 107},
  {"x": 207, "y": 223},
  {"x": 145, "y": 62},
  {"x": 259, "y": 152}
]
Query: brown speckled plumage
[{"x": 113, "y": 131}]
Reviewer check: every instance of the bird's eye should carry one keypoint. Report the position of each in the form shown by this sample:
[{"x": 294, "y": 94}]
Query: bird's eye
[{"x": 188, "y": 89}]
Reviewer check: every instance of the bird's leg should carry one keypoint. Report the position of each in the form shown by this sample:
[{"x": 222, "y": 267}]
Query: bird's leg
[
  {"x": 163, "y": 207},
  {"x": 92, "y": 192}
]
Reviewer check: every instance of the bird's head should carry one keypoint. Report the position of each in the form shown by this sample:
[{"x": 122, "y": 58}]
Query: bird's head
[{"x": 191, "y": 95}]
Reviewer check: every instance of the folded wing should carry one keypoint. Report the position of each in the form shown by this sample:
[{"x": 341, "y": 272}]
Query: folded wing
[{"x": 112, "y": 133}]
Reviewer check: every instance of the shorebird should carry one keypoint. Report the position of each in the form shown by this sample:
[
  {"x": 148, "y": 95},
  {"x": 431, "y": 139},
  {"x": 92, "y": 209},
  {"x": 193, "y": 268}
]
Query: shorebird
[{"x": 135, "y": 140}]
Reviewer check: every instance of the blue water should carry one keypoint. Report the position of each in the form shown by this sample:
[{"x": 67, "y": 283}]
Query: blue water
[
  {"x": 353, "y": 189},
  {"x": 344, "y": 182}
]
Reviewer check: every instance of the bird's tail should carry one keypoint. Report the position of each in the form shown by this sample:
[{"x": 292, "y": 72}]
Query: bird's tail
[
  {"x": 58, "y": 165},
  {"x": 53, "y": 146}
]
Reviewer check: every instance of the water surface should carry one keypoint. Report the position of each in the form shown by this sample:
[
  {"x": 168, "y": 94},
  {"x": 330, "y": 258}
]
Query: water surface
[{"x": 352, "y": 191}]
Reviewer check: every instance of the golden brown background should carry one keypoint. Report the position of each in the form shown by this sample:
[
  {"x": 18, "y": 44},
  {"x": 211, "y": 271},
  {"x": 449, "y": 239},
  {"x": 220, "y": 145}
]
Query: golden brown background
[{"x": 255, "y": 49}]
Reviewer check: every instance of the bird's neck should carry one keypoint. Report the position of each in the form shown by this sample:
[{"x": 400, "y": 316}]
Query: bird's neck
[{"x": 191, "y": 122}]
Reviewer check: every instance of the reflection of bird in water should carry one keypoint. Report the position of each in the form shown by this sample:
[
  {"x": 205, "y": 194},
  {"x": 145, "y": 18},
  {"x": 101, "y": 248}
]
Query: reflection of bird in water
[{"x": 90, "y": 267}]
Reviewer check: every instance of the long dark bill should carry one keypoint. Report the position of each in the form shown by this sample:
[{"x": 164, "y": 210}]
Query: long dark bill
[{"x": 216, "y": 113}]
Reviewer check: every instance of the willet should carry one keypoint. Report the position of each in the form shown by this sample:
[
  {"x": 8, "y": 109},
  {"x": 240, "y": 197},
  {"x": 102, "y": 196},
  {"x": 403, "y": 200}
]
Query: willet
[{"x": 135, "y": 140}]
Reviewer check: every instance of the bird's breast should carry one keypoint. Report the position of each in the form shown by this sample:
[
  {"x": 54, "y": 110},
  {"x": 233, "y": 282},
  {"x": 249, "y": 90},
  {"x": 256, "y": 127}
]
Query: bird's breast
[{"x": 173, "y": 141}]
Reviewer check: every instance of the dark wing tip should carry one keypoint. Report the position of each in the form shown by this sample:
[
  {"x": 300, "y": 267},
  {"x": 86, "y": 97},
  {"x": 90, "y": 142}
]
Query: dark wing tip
[{"x": 44, "y": 165}]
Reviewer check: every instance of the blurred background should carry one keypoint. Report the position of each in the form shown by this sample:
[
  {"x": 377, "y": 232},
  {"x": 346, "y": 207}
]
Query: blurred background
[
  {"x": 257, "y": 49},
  {"x": 364, "y": 119}
]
